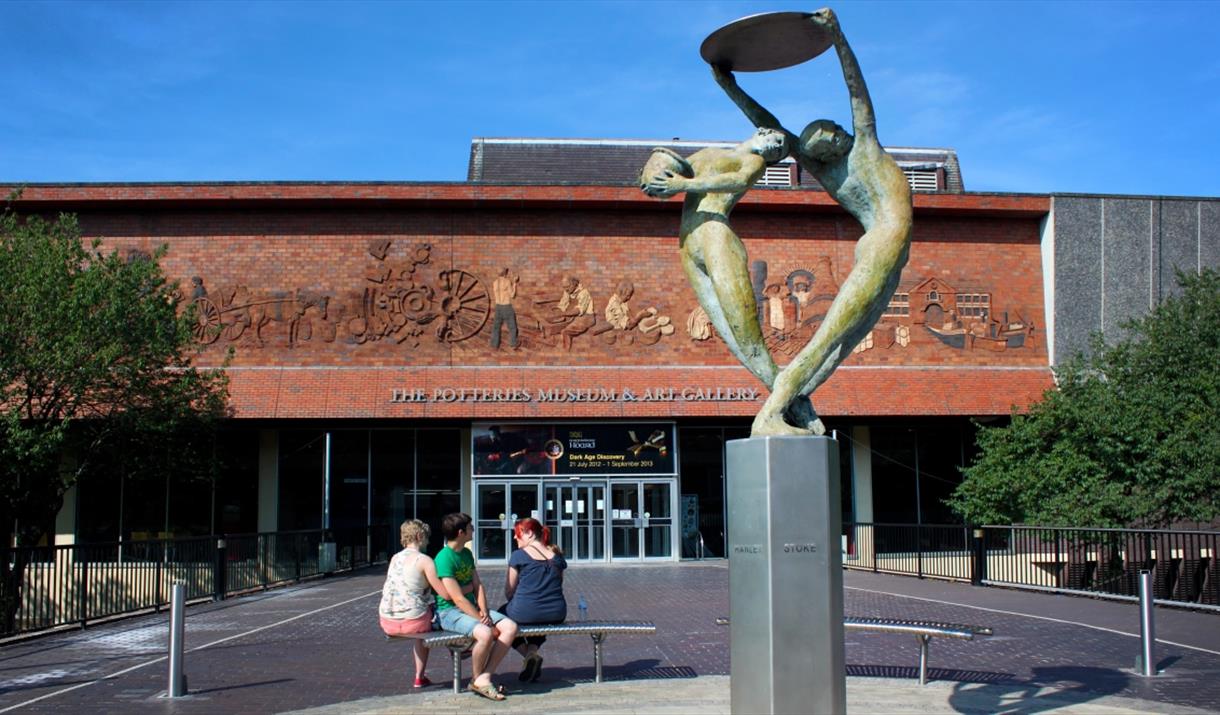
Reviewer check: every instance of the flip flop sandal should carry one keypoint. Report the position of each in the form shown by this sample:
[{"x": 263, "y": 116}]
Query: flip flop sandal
[{"x": 489, "y": 691}]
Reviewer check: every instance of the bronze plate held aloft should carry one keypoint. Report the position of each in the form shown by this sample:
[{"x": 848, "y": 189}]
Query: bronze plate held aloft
[{"x": 768, "y": 41}]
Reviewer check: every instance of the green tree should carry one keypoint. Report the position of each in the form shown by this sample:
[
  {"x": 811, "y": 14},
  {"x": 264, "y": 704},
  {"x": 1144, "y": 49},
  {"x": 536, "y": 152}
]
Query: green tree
[
  {"x": 95, "y": 361},
  {"x": 1130, "y": 437}
]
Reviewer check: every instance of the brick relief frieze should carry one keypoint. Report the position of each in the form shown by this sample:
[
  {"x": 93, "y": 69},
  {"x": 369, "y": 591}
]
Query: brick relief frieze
[{"x": 971, "y": 294}]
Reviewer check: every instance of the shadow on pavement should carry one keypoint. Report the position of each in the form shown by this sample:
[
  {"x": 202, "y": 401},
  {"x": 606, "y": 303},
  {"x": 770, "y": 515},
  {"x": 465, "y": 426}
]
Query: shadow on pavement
[
  {"x": 912, "y": 673},
  {"x": 558, "y": 677},
  {"x": 550, "y": 685},
  {"x": 277, "y": 681},
  {"x": 1049, "y": 689},
  {"x": 654, "y": 671}
]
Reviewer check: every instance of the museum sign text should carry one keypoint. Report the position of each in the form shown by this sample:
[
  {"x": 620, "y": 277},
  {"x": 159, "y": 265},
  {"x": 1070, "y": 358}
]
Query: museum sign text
[{"x": 660, "y": 394}]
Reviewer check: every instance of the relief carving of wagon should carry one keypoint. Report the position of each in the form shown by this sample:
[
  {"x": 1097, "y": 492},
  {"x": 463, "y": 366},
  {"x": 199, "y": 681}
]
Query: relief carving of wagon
[
  {"x": 239, "y": 311},
  {"x": 397, "y": 302}
]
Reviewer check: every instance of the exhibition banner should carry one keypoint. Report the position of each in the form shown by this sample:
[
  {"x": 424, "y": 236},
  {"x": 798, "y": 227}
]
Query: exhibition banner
[{"x": 602, "y": 449}]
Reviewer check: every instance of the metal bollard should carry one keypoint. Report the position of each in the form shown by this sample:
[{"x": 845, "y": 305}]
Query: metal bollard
[
  {"x": 1146, "y": 661},
  {"x": 177, "y": 633}
]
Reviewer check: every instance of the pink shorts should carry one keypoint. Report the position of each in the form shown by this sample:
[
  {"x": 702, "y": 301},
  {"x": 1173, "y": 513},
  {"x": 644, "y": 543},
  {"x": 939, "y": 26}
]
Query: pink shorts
[{"x": 406, "y": 626}]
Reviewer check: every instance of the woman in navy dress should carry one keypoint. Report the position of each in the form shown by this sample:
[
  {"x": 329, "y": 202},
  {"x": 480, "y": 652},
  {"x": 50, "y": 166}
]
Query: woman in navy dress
[{"x": 534, "y": 589}]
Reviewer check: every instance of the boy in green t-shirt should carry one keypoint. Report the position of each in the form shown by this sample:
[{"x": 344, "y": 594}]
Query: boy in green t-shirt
[{"x": 493, "y": 633}]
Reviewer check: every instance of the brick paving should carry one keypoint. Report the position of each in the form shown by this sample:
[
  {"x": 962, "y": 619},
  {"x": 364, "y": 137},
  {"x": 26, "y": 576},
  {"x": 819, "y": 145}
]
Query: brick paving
[{"x": 318, "y": 646}]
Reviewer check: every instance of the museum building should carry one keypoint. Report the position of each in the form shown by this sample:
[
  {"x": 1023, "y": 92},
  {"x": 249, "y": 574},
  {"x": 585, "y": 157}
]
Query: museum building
[{"x": 525, "y": 342}]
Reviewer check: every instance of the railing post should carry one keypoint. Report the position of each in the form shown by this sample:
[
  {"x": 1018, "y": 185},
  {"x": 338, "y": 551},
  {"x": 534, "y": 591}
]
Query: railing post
[
  {"x": 919, "y": 550},
  {"x": 872, "y": 539},
  {"x": 296, "y": 550},
  {"x": 84, "y": 592},
  {"x": 157, "y": 600},
  {"x": 264, "y": 565},
  {"x": 218, "y": 572},
  {"x": 979, "y": 570},
  {"x": 1059, "y": 567}
]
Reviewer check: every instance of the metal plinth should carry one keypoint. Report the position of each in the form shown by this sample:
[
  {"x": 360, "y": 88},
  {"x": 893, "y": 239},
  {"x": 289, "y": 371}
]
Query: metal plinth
[{"x": 785, "y": 576}]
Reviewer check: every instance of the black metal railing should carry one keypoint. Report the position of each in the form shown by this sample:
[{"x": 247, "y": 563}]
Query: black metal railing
[
  {"x": 1102, "y": 562},
  {"x": 940, "y": 551},
  {"x": 1106, "y": 561},
  {"x": 78, "y": 583}
]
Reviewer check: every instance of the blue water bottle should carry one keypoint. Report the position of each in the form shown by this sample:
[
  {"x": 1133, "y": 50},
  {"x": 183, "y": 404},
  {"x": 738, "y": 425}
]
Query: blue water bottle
[{"x": 583, "y": 608}]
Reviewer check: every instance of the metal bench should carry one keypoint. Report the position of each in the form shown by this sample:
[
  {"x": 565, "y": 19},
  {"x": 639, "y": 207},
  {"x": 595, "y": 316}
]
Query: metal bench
[
  {"x": 922, "y": 630},
  {"x": 598, "y": 630}
]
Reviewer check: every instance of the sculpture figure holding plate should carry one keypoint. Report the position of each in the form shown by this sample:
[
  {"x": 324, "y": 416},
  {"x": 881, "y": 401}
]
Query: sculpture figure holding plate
[
  {"x": 854, "y": 170},
  {"x": 713, "y": 257}
]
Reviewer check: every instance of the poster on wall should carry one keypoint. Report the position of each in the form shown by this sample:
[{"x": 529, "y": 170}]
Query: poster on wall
[{"x": 602, "y": 449}]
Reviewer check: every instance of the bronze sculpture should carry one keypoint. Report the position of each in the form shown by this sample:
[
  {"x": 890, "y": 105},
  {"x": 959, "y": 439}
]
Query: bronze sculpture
[
  {"x": 860, "y": 176},
  {"x": 713, "y": 257}
]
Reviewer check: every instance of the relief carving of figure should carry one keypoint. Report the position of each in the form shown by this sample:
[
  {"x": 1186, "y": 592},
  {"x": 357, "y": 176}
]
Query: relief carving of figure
[
  {"x": 698, "y": 325},
  {"x": 569, "y": 315},
  {"x": 618, "y": 310},
  {"x": 624, "y": 326},
  {"x": 503, "y": 290}
]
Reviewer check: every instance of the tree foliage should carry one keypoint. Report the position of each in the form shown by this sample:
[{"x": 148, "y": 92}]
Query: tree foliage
[
  {"x": 95, "y": 361},
  {"x": 1131, "y": 436}
]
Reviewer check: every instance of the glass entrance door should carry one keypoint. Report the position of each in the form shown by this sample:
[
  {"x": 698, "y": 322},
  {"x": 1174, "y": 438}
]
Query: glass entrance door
[
  {"x": 641, "y": 520},
  {"x": 657, "y": 529},
  {"x": 575, "y": 514},
  {"x": 498, "y": 506},
  {"x": 625, "y": 515}
]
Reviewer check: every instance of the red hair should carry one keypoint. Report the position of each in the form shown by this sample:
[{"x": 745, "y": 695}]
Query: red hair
[{"x": 532, "y": 526}]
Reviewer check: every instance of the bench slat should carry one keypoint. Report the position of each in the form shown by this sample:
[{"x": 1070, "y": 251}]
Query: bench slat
[
  {"x": 911, "y": 623},
  {"x": 444, "y": 638}
]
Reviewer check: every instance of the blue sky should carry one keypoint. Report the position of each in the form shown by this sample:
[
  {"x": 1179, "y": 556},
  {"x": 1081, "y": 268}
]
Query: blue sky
[{"x": 1105, "y": 97}]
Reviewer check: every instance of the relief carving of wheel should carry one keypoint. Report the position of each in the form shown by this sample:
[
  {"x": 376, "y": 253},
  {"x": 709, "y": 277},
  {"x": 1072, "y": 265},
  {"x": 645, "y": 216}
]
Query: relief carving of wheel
[
  {"x": 465, "y": 305},
  {"x": 207, "y": 321}
]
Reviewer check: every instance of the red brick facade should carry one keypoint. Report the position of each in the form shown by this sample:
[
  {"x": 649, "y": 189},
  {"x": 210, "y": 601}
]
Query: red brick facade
[{"x": 371, "y": 300}]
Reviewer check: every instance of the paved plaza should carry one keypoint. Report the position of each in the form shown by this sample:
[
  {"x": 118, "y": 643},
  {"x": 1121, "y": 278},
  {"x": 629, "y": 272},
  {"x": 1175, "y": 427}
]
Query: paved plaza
[{"x": 317, "y": 648}]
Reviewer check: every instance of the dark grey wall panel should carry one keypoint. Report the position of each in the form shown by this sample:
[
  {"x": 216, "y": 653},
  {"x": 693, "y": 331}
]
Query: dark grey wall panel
[
  {"x": 1179, "y": 243},
  {"x": 1126, "y": 268},
  {"x": 1077, "y": 308},
  {"x": 1100, "y": 284},
  {"x": 1209, "y": 235}
]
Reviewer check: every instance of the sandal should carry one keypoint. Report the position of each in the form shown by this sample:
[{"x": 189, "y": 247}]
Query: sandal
[
  {"x": 531, "y": 667},
  {"x": 489, "y": 691}
]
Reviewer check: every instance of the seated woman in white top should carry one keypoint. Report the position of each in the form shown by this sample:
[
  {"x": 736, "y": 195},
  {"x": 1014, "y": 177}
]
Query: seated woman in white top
[{"x": 406, "y": 599}]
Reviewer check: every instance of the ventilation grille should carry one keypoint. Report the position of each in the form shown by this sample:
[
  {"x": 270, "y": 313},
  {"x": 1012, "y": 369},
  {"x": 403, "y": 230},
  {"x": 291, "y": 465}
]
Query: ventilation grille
[
  {"x": 778, "y": 175},
  {"x": 922, "y": 179}
]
